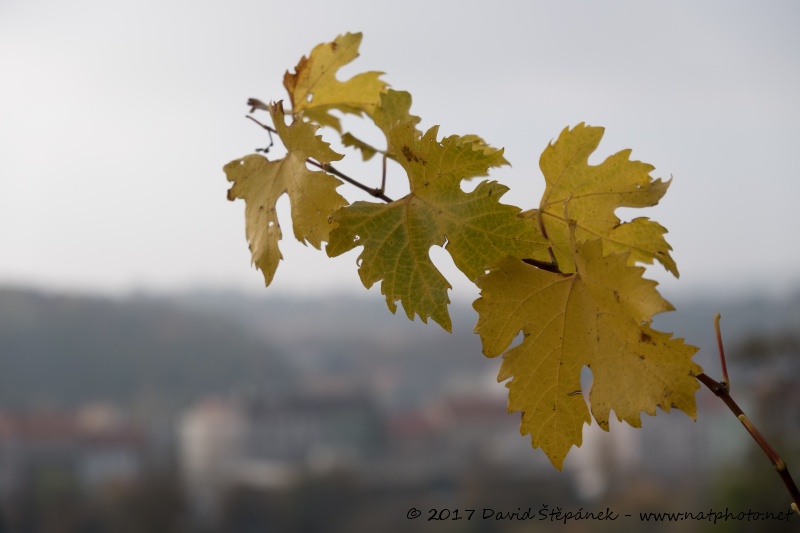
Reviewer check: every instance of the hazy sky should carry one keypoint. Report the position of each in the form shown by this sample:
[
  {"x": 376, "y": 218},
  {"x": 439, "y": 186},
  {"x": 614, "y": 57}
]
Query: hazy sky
[{"x": 117, "y": 117}]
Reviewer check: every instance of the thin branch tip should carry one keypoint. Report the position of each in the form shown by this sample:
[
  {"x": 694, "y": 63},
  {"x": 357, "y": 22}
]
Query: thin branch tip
[
  {"x": 726, "y": 382},
  {"x": 721, "y": 389}
]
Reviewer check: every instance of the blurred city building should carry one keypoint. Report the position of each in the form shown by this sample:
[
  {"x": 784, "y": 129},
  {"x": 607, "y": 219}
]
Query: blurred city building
[
  {"x": 91, "y": 448},
  {"x": 248, "y": 431}
]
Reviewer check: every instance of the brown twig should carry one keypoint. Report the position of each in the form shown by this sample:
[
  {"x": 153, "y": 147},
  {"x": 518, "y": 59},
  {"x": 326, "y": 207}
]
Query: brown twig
[
  {"x": 268, "y": 128},
  {"x": 722, "y": 390},
  {"x": 725, "y": 379},
  {"x": 270, "y": 131},
  {"x": 377, "y": 193}
]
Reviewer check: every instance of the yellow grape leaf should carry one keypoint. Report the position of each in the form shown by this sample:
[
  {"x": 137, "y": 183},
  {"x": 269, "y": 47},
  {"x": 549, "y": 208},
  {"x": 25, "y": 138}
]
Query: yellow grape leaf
[
  {"x": 260, "y": 182},
  {"x": 397, "y": 237},
  {"x": 589, "y": 195},
  {"x": 598, "y": 316},
  {"x": 314, "y": 89}
]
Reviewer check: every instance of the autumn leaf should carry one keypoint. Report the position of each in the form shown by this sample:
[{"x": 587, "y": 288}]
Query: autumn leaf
[
  {"x": 564, "y": 279},
  {"x": 598, "y": 316},
  {"x": 474, "y": 227},
  {"x": 395, "y": 108},
  {"x": 590, "y": 194},
  {"x": 261, "y": 182},
  {"x": 314, "y": 89}
]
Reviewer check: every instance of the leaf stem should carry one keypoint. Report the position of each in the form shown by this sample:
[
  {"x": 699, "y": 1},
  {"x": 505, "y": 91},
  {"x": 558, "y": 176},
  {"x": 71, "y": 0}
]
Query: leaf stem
[
  {"x": 544, "y": 234},
  {"x": 377, "y": 193},
  {"x": 722, "y": 390},
  {"x": 383, "y": 175}
]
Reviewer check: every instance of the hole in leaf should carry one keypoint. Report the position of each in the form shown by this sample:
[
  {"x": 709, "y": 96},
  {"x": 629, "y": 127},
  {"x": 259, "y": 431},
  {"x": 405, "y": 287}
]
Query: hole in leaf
[
  {"x": 469, "y": 185},
  {"x": 309, "y": 97},
  {"x": 517, "y": 341},
  {"x": 586, "y": 381}
]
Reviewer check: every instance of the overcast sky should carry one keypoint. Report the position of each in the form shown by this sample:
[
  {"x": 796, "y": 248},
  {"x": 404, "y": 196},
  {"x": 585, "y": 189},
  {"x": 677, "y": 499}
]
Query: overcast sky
[{"x": 117, "y": 117}]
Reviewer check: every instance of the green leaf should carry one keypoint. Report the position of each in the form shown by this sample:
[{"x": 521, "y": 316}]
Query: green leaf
[{"x": 397, "y": 237}]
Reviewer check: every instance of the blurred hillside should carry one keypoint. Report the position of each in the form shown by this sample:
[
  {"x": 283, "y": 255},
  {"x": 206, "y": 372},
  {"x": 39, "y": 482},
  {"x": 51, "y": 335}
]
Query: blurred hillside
[
  {"x": 216, "y": 412},
  {"x": 65, "y": 351}
]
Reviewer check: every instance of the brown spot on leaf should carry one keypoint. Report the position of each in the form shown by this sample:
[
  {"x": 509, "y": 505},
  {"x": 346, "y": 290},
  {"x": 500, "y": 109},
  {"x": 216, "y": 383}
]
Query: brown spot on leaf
[
  {"x": 646, "y": 337},
  {"x": 411, "y": 156}
]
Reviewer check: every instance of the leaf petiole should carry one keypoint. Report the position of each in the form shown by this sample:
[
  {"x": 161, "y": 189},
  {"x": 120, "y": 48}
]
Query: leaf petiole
[{"x": 377, "y": 193}]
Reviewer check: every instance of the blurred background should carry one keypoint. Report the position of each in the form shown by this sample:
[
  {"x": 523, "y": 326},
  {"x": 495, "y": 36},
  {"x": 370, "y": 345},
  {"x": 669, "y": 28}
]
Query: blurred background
[{"x": 148, "y": 380}]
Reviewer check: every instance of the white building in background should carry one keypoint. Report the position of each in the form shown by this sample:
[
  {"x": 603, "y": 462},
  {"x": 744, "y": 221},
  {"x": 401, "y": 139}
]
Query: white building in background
[
  {"x": 210, "y": 437},
  {"x": 603, "y": 455},
  {"x": 267, "y": 442},
  {"x": 94, "y": 447}
]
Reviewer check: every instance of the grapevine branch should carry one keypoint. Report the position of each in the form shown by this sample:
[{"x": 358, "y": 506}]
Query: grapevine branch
[
  {"x": 368, "y": 93},
  {"x": 377, "y": 193},
  {"x": 722, "y": 389},
  {"x": 719, "y": 388},
  {"x": 327, "y": 167}
]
